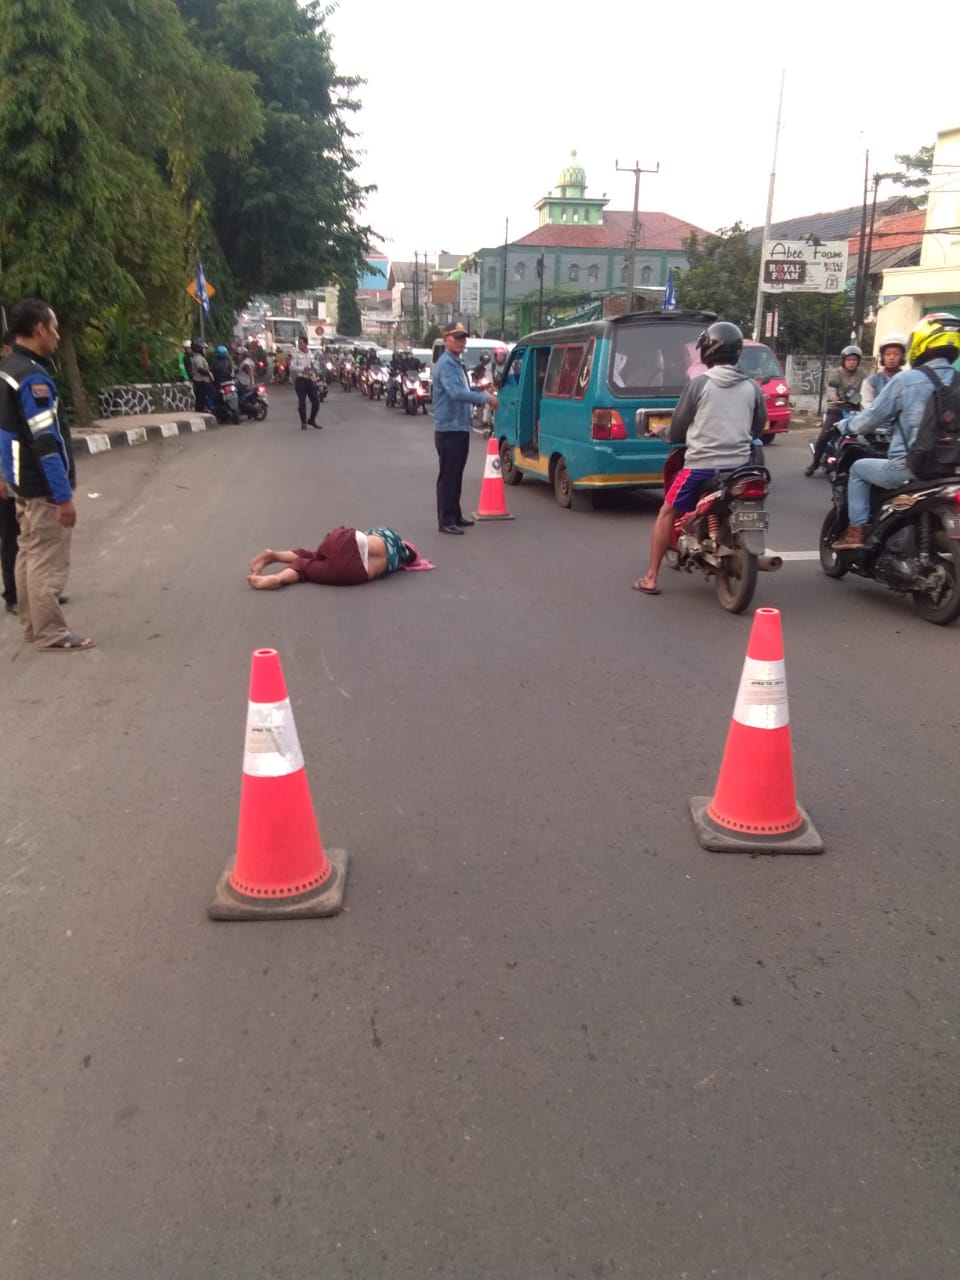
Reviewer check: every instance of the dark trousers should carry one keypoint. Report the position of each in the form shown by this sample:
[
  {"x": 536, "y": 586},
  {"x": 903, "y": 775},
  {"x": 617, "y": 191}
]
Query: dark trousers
[
  {"x": 453, "y": 448},
  {"x": 201, "y": 396},
  {"x": 9, "y": 536},
  {"x": 830, "y": 420},
  {"x": 306, "y": 389}
]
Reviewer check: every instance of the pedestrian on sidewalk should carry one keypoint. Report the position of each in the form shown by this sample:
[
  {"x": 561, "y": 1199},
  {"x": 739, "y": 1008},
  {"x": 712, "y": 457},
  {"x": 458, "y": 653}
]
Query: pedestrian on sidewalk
[
  {"x": 344, "y": 558},
  {"x": 9, "y": 529},
  {"x": 452, "y": 398},
  {"x": 200, "y": 376},
  {"x": 304, "y": 371},
  {"x": 36, "y": 459}
]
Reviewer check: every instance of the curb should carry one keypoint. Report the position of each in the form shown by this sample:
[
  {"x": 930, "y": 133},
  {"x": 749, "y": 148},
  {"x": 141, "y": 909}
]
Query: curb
[{"x": 104, "y": 441}]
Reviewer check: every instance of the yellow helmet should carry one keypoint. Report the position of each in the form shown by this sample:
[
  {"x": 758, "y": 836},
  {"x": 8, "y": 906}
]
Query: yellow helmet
[{"x": 937, "y": 334}]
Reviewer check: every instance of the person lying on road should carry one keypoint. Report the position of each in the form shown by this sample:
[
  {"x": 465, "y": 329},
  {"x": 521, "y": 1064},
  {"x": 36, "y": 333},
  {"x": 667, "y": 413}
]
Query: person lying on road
[{"x": 345, "y": 557}]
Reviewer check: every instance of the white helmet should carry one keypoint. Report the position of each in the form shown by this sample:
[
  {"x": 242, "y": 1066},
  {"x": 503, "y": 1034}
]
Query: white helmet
[{"x": 894, "y": 340}]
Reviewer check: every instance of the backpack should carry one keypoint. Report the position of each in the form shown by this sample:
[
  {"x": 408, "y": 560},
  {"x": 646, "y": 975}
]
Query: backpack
[{"x": 936, "y": 448}]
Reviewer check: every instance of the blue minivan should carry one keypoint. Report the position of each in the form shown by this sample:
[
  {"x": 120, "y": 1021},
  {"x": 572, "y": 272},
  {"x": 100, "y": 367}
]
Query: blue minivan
[{"x": 580, "y": 406}]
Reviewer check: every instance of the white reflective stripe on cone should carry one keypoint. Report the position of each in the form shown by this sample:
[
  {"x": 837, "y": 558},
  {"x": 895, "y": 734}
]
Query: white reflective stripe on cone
[
  {"x": 271, "y": 748},
  {"x": 762, "y": 696},
  {"x": 491, "y": 468}
]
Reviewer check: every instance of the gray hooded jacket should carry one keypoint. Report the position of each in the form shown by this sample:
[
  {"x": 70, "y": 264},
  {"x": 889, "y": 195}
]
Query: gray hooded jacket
[{"x": 717, "y": 416}]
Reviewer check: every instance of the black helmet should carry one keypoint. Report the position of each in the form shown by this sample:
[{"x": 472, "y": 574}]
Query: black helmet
[{"x": 720, "y": 343}]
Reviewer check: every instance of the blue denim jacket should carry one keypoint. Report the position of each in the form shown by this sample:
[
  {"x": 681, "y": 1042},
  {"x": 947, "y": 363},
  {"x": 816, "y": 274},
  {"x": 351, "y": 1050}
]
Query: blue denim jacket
[
  {"x": 901, "y": 403},
  {"x": 452, "y": 396}
]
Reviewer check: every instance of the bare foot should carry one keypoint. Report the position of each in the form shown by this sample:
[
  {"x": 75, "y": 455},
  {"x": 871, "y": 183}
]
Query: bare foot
[
  {"x": 260, "y": 561},
  {"x": 264, "y": 581}
]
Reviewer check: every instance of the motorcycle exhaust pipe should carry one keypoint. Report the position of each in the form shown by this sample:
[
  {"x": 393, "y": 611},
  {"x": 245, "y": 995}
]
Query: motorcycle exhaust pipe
[{"x": 769, "y": 564}]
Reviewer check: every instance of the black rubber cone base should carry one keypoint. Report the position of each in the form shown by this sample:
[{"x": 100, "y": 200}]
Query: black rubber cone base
[
  {"x": 228, "y": 904},
  {"x": 477, "y": 516},
  {"x": 806, "y": 839}
]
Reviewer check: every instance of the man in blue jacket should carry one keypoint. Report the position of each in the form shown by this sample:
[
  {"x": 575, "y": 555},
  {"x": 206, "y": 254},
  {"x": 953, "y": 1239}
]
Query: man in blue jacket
[
  {"x": 36, "y": 455},
  {"x": 452, "y": 398},
  {"x": 934, "y": 345}
]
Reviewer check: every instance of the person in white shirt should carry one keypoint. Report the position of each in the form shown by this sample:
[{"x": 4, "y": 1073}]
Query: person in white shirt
[{"x": 303, "y": 370}]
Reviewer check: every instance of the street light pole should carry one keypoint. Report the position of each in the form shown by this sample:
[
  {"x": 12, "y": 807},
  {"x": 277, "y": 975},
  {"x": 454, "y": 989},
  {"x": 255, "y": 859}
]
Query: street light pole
[
  {"x": 758, "y": 313},
  {"x": 860, "y": 291},
  {"x": 635, "y": 229}
]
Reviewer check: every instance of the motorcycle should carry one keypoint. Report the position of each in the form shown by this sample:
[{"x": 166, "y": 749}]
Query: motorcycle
[
  {"x": 254, "y": 402},
  {"x": 347, "y": 374},
  {"x": 913, "y": 541},
  {"x": 412, "y": 392},
  {"x": 482, "y": 414},
  {"x": 376, "y": 383},
  {"x": 226, "y": 402},
  {"x": 723, "y": 537},
  {"x": 828, "y": 461}
]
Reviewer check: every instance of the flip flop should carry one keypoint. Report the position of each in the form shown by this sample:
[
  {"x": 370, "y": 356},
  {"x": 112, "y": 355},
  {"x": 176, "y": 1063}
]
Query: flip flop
[
  {"x": 69, "y": 643},
  {"x": 647, "y": 591}
]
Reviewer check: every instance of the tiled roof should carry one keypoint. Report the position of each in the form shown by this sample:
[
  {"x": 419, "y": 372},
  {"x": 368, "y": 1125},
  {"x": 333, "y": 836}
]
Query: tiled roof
[
  {"x": 839, "y": 225},
  {"x": 657, "y": 231}
]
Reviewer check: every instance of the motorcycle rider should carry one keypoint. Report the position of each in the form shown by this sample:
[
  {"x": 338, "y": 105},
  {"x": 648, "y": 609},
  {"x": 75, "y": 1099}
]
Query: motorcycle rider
[
  {"x": 184, "y": 359},
  {"x": 893, "y": 356},
  {"x": 935, "y": 343},
  {"x": 846, "y": 384},
  {"x": 718, "y": 416},
  {"x": 222, "y": 365}
]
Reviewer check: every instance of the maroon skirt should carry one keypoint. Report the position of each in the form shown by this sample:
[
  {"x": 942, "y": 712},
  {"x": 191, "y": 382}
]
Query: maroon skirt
[{"x": 336, "y": 562}]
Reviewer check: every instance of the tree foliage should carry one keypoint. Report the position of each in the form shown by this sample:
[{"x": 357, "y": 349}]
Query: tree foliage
[
  {"x": 721, "y": 276},
  {"x": 348, "y": 312},
  {"x": 916, "y": 172},
  {"x": 135, "y": 137}
]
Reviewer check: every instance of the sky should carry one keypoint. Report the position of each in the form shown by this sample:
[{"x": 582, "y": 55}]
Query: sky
[{"x": 469, "y": 112}]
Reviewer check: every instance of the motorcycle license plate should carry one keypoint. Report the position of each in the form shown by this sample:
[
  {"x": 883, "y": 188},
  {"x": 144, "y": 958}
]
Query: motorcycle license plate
[
  {"x": 951, "y": 524},
  {"x": 747, "y": 518}
]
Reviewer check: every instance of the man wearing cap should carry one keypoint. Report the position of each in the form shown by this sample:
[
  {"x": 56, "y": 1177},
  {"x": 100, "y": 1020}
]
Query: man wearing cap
[{"x": 452, "y": 398}]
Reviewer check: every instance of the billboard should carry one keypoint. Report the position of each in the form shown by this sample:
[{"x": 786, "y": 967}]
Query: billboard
[
  {"x": 794, "y": 266},
  {"x": 470, "y": 293}
]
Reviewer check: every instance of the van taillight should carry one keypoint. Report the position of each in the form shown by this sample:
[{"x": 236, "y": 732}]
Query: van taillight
[{"x": 606, "y": 424}]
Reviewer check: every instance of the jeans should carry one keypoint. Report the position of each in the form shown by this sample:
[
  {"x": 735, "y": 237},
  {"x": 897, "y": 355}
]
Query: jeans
[
  {"x": 885, "y": 473},
  {"x": 306, "y": 389}
]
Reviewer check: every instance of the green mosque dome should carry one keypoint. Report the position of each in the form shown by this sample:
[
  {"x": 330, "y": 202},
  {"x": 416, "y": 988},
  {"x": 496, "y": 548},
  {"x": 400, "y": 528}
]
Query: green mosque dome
[{"x": 573, "y": 175}]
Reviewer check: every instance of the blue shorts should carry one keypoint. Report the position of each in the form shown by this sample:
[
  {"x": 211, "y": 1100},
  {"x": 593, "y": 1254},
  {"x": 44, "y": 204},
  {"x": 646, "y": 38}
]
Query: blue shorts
[{"x": 685, "y": 490}]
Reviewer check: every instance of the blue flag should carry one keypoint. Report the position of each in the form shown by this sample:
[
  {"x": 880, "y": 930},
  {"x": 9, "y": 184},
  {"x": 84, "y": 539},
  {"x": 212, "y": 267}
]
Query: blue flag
[
  {"x": 201, "y": 288},
  {"x": 670, "y": 293}
]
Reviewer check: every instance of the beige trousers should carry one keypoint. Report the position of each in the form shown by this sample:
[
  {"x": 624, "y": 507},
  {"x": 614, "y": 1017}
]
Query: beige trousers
[{"x": 43, "y": 562}]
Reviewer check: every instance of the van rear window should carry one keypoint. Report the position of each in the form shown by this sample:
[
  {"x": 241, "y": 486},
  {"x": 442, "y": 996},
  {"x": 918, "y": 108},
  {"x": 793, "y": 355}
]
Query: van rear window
[
  {"x": 647, "y": 357},
  {"x": 562, "y": 371}
]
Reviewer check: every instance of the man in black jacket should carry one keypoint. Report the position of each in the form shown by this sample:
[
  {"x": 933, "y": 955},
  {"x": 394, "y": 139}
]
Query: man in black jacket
[{"x": 36, "y": 454}]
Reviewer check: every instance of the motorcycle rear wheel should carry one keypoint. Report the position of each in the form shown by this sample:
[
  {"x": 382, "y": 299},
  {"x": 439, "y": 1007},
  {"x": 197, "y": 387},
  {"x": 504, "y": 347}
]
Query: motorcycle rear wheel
[
  {"x": 833, "y": 566},
  {"x": 948, "y": 553},
  {"x": 736, "y": 578}
]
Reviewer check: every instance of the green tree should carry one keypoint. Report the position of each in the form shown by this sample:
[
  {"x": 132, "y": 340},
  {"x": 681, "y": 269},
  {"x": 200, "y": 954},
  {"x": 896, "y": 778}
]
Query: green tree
[
  {"x": 287, "y": 215},
  {"x": 916, "y": 172},
  {"x": 721, "y": 276},
  {"x": 348, "y": 312},
  {"x": 96, "y": 151},
  {"x": 431, "y": 334}
]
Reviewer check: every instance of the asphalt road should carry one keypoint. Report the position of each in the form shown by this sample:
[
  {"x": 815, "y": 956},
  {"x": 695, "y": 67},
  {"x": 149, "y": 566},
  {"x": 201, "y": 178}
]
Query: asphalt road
[{"x": 549, "y": 1036}]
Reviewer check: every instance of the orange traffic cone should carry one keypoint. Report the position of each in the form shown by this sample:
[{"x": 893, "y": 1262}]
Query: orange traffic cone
[
  {"x": 281, "y": 871},
  {"x": 754, "y": 807},
  {"x": 493, "y": 498}
]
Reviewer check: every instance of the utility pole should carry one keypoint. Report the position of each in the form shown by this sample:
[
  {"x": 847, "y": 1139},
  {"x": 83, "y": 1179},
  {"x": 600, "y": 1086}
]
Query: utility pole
[
  {"x": 758, "y": 313},
  {"x": 635, "y": 229},
  {"x": 416, "y": 298},
  {"x": 540, "y": 270},
  {"x": 860, "y": 292},
  {"x": 877, "y": 179},
  {"x": 503, "y": 282}
]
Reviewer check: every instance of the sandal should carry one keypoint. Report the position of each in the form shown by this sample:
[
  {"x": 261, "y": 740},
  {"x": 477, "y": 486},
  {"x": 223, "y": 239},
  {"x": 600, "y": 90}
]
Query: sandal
[
  {"x": 647, "y": 591},
  {"x": 69, "y": 643}
]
